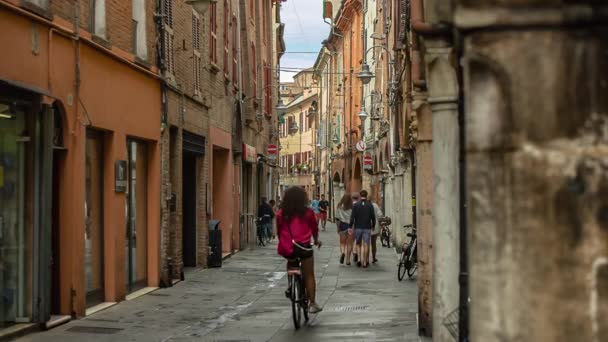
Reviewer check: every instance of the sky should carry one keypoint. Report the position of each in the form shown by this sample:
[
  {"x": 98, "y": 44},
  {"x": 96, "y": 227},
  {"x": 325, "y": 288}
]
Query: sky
[{"x": 304, "y": 32}]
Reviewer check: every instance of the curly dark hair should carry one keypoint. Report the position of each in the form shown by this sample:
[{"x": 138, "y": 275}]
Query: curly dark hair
[{"x": 294, "y": 203}]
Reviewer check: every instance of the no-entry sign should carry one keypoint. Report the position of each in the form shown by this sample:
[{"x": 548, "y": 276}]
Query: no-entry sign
[
  {"x": 272, "y": 151},
  {"x": 368, "y": 162}
]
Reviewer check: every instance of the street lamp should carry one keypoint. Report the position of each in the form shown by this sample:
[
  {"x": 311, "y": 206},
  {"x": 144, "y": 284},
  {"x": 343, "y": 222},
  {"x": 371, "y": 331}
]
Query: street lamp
[
  {"x": 201, "y": 6},
  {"x": 363, "y": 114},
  {"x": 365, "y": 75},
  {"x": 335, "y": 140},
  {"x": 281, "y": 109}
]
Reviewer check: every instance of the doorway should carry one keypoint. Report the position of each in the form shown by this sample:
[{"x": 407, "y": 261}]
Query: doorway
[
  {"x": 136, "y": 239},
  {"x": 189, "y": 201},
  {"x": 94, "y": 227}
]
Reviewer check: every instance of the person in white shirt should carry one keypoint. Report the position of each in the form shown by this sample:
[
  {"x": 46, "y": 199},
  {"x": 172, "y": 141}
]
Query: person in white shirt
[{"x": 376, "y": 231}]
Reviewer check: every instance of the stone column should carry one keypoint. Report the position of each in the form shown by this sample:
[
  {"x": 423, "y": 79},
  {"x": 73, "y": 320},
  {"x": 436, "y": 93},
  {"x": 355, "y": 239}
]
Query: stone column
[
  {"x": 537, "y": 169},
  {"x": 443, "y": 98},
  {"x": 424, "y": 170}
]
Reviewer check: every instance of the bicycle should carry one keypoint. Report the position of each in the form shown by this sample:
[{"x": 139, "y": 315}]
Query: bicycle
[
  {"x": 385, "y": 233},
  {"x": 297, "y": 293},
  {"x": 408, "y": 263}
]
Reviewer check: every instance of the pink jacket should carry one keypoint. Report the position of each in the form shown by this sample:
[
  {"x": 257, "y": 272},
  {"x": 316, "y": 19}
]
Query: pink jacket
[{"x": 303, "y": 229}]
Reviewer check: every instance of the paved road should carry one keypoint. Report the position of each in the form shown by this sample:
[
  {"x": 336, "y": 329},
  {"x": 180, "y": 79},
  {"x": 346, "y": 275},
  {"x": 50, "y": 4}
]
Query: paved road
[{"x": 244, "y": 301}]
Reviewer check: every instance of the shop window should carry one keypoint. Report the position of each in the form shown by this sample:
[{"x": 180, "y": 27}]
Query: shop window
[{"x": 16, "y": 213}]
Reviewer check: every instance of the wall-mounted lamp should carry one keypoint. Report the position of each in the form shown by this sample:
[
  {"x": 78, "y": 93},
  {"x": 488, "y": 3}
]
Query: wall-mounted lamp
[
  {"x": 201, "y": 6},
  {"x": 365, "y": 75}
]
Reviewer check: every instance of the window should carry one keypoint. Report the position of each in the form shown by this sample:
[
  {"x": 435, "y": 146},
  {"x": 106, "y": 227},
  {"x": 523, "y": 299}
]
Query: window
[
  {"x": 168, "y": 39},
  {"x": 267, "y": 89},
  {"x": 235, "y": 55},
  {"x": 40, "y": 3},
  {"x": 255, "y": 72},
  {"x": 98, "y": 18},
  {"x": 226, "y": 38},
  {"x": 196, "y": 53},
  {"x": 301, "y": 122},
  {"x": 213, "y": 33},
  {"x": 252, "y": 10},
  {"x": 140, "y": 46},
  {"x": 264, "y": 32}
]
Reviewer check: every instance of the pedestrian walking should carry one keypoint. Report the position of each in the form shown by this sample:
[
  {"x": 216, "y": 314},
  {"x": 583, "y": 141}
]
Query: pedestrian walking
[
  {"x": 343, "y": 213},
  {"x": 297, "y": 227},
  {"x": 315, "y": 207},
  {"x": 323, "y": 207},
  {"x": 363, "y": 219},
  {"x": 376, "y": 230},
  {"x": 265, "y": 215},
  {"x": 355, "y": 247}
]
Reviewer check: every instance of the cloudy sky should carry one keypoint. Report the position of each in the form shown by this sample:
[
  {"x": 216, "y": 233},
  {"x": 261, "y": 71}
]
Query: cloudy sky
[{"x": 304, "y": 32}]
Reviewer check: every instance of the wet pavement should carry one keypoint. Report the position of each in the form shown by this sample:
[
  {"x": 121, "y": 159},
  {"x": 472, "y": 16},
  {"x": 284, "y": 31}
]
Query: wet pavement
[{"x": 244, "y": 301}]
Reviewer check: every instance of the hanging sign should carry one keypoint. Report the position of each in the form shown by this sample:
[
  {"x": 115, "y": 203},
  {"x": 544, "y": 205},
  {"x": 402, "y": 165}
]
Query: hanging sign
[
  {"x": 249, "y": 154},
  {"x": 272, "y": 151},
  {"x": 360, "y": 146},
  {"x": 368, "y": 162}
]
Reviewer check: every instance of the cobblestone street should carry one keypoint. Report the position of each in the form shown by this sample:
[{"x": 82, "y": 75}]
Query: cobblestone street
[{"x": 244, "y": 301}]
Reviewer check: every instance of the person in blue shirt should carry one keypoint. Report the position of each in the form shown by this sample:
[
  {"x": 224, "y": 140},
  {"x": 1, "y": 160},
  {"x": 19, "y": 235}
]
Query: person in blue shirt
[{"x": 316, "y": 208}]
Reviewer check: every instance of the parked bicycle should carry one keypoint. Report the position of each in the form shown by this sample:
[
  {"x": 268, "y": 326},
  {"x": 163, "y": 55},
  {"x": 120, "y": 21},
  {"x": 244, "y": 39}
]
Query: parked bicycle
[
  {"x": 297, "y": 293},
  {"x": 385, "y": 233},
  {"x": 408, "y": 263}
]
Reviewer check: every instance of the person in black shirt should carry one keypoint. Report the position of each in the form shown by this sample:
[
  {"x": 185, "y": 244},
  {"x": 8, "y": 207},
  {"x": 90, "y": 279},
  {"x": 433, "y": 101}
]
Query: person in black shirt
[
  {"x": 363, "y": 218},
  {"x": 323, "y": 206},
  {"x": 265, "y": 215}
]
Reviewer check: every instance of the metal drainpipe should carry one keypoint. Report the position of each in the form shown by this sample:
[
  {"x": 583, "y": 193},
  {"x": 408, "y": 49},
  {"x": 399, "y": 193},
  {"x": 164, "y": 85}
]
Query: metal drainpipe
[
  {"x": 413, "y": 166},
  {"x": 463, "y": 322},
  {"x": 162, "y": 59}
]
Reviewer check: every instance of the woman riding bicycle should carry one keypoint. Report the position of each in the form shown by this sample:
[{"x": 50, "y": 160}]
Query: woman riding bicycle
[{"x": 296, "y": 227}]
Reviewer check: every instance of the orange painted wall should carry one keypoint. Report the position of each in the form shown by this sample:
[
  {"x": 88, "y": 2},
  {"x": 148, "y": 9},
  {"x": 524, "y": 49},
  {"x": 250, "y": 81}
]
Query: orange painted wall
[
  {"x": 222, "y": 185},
  {"x": 114, "y": 98}
]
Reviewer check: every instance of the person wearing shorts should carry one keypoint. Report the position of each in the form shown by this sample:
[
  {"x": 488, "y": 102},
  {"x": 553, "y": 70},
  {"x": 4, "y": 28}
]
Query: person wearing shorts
[
  {"x": 343, "y": 213},
  {"x": 363, "y": 218},
  {"x": 323, "y": 207}
]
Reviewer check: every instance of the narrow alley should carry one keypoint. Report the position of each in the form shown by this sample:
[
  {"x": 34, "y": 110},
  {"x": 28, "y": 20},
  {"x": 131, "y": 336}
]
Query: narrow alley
[{"x": 244, "y": 301}]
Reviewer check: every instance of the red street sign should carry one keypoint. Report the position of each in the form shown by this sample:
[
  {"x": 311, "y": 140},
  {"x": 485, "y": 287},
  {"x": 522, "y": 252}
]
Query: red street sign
[
  {"x": 272, "y": 149},
  {"x": 368, "y": 162}
]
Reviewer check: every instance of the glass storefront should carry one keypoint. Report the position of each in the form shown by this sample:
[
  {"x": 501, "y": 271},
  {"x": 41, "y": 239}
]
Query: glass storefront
[
  {"x": 136, "y": 263},
  {"x": 17, "y": 137},
  {"x": 94, "y": 230}
]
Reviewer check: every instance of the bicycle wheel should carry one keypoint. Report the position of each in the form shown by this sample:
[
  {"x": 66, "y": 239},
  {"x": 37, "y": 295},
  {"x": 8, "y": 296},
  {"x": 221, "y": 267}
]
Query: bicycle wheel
[
  {"x": 304, "y": 302},
  {"x": 412, "y": 270},
  {"x": 402, "y": 264},
  {"x": 295, "y": 302},
  {"x": 413, "y": 262}
]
